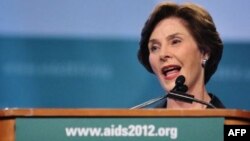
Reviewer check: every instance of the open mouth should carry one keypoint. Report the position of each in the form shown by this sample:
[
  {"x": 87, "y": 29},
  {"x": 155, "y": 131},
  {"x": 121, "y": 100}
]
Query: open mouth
[{"x": 170, "y": 69}]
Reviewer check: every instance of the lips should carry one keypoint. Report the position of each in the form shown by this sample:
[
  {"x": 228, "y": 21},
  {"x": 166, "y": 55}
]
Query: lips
[{"x": 171, "y": 71}]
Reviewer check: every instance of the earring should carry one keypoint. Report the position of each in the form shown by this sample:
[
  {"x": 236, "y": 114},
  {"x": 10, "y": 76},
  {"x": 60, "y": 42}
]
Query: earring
[{"x": 204, "y": 62}]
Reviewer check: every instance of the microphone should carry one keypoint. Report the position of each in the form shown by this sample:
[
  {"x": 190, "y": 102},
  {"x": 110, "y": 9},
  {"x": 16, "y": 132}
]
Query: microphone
[
  {"x": 179, "y": 84},
  {"x": 179, "y": 87},
  {"x": 177, "y": 93}
]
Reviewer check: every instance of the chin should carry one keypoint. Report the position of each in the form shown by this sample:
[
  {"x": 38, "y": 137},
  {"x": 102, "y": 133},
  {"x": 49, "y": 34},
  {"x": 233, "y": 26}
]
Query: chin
[{"x": 167, "y": 88}]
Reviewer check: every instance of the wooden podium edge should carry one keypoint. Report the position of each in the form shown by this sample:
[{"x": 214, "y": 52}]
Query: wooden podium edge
[
  {"x": 79, "y": 112},
  {"x": 8, "y": 116},
  {"x": 232, "y": 116}
]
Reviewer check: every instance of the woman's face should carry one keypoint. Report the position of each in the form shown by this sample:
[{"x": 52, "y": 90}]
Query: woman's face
[{"x": 173, "y": 52}]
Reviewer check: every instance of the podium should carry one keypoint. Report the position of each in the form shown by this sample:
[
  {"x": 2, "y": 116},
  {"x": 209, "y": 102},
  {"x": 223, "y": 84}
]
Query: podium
[{"x": 117, "y": 124}]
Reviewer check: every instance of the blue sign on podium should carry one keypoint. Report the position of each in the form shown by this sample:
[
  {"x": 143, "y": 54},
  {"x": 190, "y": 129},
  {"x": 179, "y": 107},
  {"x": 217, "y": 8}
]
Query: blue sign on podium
[{"x": 119, "y": 129}]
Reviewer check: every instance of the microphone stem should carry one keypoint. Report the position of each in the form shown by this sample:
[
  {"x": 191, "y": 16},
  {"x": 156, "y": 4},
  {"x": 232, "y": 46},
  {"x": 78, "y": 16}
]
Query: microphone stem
[
  {"x": 174, "y": 95},
  {"x": 152, "y": 101}
]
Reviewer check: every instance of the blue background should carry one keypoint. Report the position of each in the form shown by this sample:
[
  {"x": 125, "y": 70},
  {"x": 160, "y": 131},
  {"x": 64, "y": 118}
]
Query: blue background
[{"x": 82, "y": 54}]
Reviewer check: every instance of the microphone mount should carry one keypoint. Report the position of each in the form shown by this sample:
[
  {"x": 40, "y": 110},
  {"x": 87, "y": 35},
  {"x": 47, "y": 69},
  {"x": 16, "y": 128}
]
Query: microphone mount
[{"x": 188, "y": 98}]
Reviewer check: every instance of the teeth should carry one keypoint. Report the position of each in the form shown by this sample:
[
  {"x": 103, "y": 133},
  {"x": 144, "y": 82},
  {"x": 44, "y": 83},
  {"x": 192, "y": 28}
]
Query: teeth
[{"x": 168, "y": 69}]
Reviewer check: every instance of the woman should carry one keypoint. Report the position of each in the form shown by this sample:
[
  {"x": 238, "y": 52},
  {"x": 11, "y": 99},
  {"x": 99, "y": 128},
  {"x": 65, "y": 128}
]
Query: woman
[{"x": 182, "y": 40}]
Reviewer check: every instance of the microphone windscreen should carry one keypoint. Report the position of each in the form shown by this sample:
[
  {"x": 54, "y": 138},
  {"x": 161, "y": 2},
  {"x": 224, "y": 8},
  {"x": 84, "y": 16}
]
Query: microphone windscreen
[{"x": 180, "y": 80}]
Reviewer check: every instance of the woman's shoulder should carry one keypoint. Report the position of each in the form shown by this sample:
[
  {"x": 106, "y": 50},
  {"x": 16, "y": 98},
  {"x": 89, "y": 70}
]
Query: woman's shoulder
[{"x": 216, "y": 101}]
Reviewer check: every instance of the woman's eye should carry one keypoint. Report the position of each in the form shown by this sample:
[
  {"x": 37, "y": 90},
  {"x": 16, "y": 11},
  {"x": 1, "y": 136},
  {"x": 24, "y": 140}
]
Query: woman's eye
[
  {"x": 153, "y": 48},
  {"x": 175, "y": 41}
]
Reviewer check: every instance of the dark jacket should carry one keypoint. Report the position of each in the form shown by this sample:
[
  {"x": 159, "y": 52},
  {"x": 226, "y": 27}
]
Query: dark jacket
[{"x": 214, "y": 101}]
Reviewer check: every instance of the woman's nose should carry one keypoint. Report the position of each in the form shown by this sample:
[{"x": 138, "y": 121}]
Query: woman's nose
[{"x": 164, "y": 55}]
